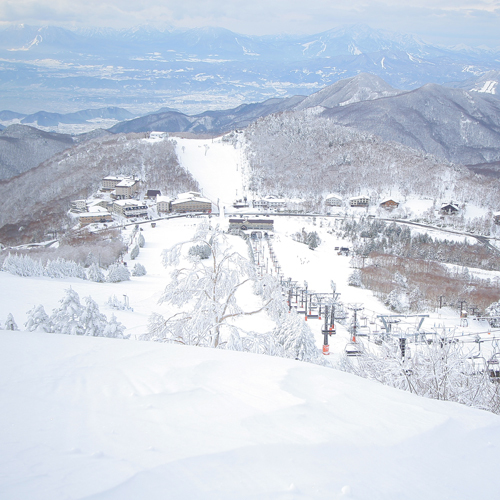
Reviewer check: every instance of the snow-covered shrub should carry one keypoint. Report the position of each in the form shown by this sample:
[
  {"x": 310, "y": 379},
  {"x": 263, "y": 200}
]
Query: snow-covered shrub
[
  {"x": 134, "y": 252},
  {"x": 138, "y": 270},
  {"x": 141, "y": 241},
  {"x": 10, "y": 324},
  {"x": 38, "y": 320},
  {"x": 94, "y": 273},
  {"x": 117, "y": 273}
]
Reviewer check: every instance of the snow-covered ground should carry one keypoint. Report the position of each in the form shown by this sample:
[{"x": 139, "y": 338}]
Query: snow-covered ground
[
  {"x": 219, "y": 167},
  {"x": 123, "y": 419},
  {"x": 102, "y": 418}
]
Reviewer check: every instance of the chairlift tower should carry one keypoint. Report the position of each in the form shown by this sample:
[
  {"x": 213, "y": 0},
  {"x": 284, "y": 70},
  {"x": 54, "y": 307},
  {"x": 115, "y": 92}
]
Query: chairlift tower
[{"x": 355, "y": 307}]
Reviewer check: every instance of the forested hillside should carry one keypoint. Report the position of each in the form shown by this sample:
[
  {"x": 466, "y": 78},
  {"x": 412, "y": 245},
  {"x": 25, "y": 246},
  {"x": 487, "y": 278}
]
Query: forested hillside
[
  {"x": 77, "y": 173},
  {"x": 303, "y": 155},
  {"x": 23, "y": 148}
]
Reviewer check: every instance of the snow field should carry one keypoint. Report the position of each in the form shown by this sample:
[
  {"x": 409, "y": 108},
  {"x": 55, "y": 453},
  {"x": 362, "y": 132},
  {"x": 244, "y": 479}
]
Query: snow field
[{"x": 112, "y": 419}]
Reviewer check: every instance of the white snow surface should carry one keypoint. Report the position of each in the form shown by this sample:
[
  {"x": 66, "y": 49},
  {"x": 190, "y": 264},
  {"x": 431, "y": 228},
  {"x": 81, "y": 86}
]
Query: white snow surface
[
  {"x": 94, "y": 418},
  {"x": 218, "y": 167},
  {"x": 97, "y": 418}
]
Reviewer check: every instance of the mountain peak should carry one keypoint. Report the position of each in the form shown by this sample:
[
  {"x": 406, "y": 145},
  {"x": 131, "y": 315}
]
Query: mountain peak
[{"x": 362, "y": 87}]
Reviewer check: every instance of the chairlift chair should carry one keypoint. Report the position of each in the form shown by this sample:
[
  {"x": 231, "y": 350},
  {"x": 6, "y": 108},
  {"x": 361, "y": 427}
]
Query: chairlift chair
[
  {"x": 353, "y": 349},
  {"x": 493, "y": 366}
]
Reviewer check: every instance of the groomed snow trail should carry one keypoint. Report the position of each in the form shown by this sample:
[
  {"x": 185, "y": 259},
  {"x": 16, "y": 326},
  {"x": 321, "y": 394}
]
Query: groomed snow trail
[{"x": 218, "y": 166}]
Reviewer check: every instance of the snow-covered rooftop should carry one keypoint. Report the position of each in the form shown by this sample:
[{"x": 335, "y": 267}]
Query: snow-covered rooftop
[
  {"x": 129, "y": 203},
  {"x": 126, "y": 183}
]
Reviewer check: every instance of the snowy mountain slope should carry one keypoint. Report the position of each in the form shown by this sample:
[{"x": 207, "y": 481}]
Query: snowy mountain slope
[
  {"x": 460, "y": 126},
  {"x": 363, "y": 87},
  {"x": 23, "y": 148},
  {"x": 209, "y": 121},
  {"x": 109, "y": 419},
  {"x": 484, "y": 84}
]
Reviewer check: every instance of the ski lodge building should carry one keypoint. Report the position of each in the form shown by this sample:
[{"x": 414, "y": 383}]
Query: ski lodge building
[
  {"x": 191, "y": 202},
  {"x": 236, "y": 225}
]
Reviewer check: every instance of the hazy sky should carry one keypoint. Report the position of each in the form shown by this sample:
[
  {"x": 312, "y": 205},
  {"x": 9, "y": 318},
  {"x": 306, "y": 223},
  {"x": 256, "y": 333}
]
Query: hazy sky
[{"x": 447, "y": 22}]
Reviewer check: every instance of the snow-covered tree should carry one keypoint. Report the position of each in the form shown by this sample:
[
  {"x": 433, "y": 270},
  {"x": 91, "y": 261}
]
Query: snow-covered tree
[
  {"x": 114, "y": 329},
  {"x": 313, "y": 240},
  {"x": 202, "y": 251},
  {"x": 494, "y": 311},
  {"x": 138, "y": 270},
  {"x": 206, "y": 292},
  {"x": 61, "y": 268},
  {"x": 92, "y": 320},
  {"x": 134, "y": 252},
  {"x": 94, "y": 273},
  {"x": 117, "y": 273},
  {"x": 355, "y": 278},
  {"x": 22, "y": 265},
  {"x": 438, "y": 370},
  {"x": 10, "y": 324},
  {"x": 296, "y": 338},
  {"x": 397, "y": 300},
  {"x": 140, "y": 240},
  {"x": 66, "y": 318},
  {"x": 38, "y": 320}
]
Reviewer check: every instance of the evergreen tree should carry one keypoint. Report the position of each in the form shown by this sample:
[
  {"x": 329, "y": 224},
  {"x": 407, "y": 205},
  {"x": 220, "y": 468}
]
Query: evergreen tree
[
  {"x": 94, "y": 273},
  {"x": 38, "y": 320},
  {"x": 296, "y": 339},
  {"x": 66, "y": 318},
  {"x": 134, "y": 252},
  {"x": 114, "y": 329},
  {"x": 10, "y": 324},
  {"x": 92, "y": 320},
  {"x": 313, "y": 240},
  {"x": 117, "y": 273},
  {"x": 141, "y": 241},
  {"x": 138, "y": 270}
]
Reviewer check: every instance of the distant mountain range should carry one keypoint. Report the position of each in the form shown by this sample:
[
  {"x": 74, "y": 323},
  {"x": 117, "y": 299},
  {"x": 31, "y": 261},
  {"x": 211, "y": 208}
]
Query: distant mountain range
[
  {"x": 210, "y": 68},
  {"x": 47, "y": 119}
]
